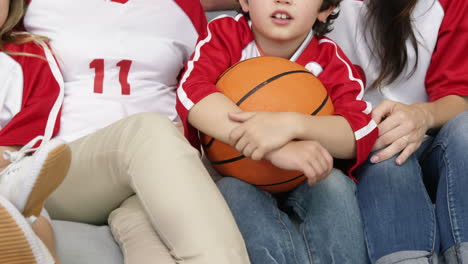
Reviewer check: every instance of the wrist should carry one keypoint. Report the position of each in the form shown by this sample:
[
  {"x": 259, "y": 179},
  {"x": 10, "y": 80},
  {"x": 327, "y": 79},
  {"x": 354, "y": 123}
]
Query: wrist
[
  {"x": 297, "y": 124},
  {"x": 429, "y": 119}
]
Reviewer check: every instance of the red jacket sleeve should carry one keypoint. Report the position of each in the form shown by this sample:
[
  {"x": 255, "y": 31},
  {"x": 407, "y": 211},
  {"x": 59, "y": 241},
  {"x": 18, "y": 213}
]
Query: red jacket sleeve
[
  {"x": 40, "y": 91},
  {"x": 448, "y": 72},
  {"x": 214, "y": 53},
  {"x": 346, "y": 90}
]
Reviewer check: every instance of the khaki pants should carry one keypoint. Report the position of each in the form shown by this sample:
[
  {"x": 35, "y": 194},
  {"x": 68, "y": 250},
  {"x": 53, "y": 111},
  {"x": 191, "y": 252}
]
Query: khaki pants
[{"x": 145, "y": 154}]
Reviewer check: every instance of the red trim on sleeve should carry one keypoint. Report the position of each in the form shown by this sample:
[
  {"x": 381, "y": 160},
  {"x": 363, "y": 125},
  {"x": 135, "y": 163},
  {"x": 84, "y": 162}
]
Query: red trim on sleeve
[
  {"x": 448, "y": 74},
  {"x": 39, "y": 95},
  {"x": 216, "y": 51},
  {"x": 345, "y": 88},
  {"x": 194, "y": 11}
]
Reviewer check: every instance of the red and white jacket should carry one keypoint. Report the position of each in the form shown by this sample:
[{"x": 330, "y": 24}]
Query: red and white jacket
[
  {"x": 441, "y": 30},
  {"x": 230, "y": 40},
  {"x": 118, "y": 57},
  {"x": 30, "y": 93}
]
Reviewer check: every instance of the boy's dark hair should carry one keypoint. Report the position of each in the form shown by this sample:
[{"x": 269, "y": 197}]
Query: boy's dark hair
[{"x": 320, "y": 28}]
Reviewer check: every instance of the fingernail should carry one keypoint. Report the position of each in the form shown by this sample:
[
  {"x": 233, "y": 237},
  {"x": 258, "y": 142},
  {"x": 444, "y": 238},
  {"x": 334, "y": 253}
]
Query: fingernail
[{"x": 374, "y": 159}]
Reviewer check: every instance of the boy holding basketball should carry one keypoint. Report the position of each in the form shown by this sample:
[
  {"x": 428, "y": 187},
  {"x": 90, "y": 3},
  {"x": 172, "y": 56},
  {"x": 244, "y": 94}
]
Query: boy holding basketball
[{"x": 330, "y": 229}]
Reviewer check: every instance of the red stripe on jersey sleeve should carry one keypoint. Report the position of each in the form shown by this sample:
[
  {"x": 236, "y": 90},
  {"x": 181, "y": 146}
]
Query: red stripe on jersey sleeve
[
  {"x": 220, "y": 48},
  {"x": 40, "y": 91},
  {"x": 345, "y": 88},
  {"x": 447, "y": 74},
  {"x": 195, "y": 12}
]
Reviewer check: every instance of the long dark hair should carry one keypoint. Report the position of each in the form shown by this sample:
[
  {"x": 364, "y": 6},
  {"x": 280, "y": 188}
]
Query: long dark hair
[{"x": 389, "y": 22}]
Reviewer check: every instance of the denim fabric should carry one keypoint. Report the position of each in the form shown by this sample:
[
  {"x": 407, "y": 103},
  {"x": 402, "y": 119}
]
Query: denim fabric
[
  {"x": 399, "y": 218},
  {"x": 311, "y": 224}
]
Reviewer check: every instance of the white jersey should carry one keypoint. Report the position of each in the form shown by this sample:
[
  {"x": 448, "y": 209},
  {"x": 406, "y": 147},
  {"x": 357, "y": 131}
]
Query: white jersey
[
  {"x": 440, "y": 29},
  {"x": 118, "y": 57}
]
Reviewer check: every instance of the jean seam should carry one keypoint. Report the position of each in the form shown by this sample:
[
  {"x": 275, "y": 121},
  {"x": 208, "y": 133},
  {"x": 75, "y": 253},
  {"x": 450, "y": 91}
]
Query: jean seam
[
  {"x": 306, "y": 242},
  {"x": 365, "y": 230},
  {"x": 278, "y": 217},
  {"x": 450, "y": 200},
  {"x": 433, "y": 218}
]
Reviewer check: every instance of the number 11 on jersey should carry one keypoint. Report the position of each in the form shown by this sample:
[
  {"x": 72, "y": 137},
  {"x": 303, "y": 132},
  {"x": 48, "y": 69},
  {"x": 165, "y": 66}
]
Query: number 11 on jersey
[{"x": 98, "y": 66}]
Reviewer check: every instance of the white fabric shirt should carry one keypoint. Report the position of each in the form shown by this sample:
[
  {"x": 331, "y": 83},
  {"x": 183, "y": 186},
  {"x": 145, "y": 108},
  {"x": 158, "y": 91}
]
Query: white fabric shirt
[
  {"x": 117, "y": 59},
  {"x": 440, "y": 28}
]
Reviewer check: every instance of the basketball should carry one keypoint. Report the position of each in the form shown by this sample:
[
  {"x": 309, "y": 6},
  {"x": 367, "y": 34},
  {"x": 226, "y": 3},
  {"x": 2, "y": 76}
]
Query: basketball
[{"x": 266, "y": 84}]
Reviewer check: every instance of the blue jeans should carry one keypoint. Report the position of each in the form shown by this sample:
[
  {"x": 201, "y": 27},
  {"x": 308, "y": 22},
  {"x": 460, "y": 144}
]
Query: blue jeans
[
  {"x": 311, "y": 224},
  {"x": 401, "y": 223}
]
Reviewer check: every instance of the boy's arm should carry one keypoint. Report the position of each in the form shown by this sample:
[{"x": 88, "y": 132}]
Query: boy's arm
[
  {"x": 199, "y": 103},
  {"x": 349, "y": 133},
  {"x": 210, "y": 115},
  {"x": 346, "y": 90},
  {"x": 309, "y": 157},
  {"x": 262, "y": 132}
]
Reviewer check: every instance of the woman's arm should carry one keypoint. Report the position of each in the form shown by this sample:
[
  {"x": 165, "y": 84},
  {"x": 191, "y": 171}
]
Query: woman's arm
[
  {"x": 402, "y": 128},
  {"x": 446, "y": 85},
  {"x": 210, "y": 116}
]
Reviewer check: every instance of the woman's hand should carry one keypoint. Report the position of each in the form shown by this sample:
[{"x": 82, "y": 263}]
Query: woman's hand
[
  {"x": 261, "y": 132},
  {"x": 401, "y": 129},
  {"x": 309, "y": 157}
]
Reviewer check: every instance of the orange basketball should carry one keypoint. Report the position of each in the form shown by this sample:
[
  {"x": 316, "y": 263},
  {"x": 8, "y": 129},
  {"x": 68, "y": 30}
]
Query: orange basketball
[{"x": 266, "y": 84}]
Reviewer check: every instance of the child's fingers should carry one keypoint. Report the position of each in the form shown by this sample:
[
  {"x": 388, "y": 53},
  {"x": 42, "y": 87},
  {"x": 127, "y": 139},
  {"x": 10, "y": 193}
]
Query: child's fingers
[
  {"x": 257, "y": 154},
  {"x": 241, "y": 144},
  {"x": 310, "y": 172},
  {"x": 248, "y": 150},
  {"x": 235, "y": 135}
]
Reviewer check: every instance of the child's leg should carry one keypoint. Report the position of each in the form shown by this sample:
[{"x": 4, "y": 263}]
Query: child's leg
[
  {"x": 268, "y": 232},
  {"x": 331, "y": 222},
  {"x": 134, "y": 233},
  {"x": 147, "y": 155}
]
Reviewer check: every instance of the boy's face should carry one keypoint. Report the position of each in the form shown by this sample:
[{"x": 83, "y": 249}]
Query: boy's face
[
  {"x": 283, "y": 20},
  {"x": 4, "y": 9}
]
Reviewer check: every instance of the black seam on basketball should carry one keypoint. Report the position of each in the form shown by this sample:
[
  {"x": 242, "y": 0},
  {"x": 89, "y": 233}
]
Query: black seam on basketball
[
  {"x": 321, "y": 105},
  {"x": 258, "y": 87},
  {"x": 221, "y": 162},
  {"x": 278, "y": 183},
  {"x": 209, "y": 143}
]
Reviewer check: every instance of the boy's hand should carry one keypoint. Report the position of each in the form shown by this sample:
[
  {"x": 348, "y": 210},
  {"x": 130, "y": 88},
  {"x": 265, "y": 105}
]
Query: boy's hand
[
  {"x": 262, "y": 132},
  {"x": 307, "y": 156}
]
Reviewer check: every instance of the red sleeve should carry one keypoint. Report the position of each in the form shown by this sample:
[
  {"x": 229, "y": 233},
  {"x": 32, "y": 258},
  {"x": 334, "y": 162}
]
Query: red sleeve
[
  {"x": 195, "y": 12},
  {"x": 215, "y": 52},
  {"x": 448, "y": 74},
  {"x": 40, "y": 91},
  {"x": 346, "y": 90}
]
